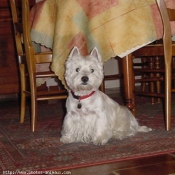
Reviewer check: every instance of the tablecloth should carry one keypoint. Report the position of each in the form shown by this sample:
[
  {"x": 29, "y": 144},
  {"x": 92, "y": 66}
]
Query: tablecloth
[{"x": 115, "y": 27}]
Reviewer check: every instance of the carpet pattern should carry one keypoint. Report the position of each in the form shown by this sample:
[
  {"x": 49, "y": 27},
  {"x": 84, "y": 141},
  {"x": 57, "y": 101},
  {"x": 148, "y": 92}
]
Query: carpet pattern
[{"x": 22, "y": 150}]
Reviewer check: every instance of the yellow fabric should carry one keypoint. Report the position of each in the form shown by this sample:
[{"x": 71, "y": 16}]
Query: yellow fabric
[{"x": 115, "y": 27}]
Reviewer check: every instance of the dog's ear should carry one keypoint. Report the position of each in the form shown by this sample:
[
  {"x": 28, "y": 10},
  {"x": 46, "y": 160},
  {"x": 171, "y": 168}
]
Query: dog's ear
[
  {"x": 75, "y": 51},
  {"x": 95, "y": 53}
]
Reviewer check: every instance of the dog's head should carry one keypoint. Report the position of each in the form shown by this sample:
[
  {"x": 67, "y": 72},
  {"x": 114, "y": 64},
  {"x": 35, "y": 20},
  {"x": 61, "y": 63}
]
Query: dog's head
[{"x": 84, "y": 74}]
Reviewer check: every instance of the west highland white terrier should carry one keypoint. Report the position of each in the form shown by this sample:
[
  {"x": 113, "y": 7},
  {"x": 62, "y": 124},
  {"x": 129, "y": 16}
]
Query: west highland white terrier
[{"x": 91, "y": 115}]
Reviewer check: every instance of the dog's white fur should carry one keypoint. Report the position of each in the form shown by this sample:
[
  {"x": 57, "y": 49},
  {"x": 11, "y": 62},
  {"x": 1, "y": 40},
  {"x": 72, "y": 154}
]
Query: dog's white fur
[{"x": 100, "y": 118}]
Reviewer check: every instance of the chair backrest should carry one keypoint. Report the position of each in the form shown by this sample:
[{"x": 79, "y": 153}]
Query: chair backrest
[{"x": 17, "y": 26}]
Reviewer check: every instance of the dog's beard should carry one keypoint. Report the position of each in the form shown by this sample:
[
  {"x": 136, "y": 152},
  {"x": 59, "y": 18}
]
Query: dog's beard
[{"x": 83, "y": 89}]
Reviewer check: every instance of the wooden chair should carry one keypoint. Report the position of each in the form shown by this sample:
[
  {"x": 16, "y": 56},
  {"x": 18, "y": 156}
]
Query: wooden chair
[
  {"x": 119, "y": 75},
  {"x": 166, "y": 50},
  {"x": 151, "y": 74},
  {"x": 28, "y": 60},
  {"x": 17, "y": 27}
]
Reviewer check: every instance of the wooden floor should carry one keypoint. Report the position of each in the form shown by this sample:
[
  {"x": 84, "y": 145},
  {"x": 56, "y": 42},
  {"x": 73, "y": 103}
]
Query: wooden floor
[{"x": 157, "y": 165}]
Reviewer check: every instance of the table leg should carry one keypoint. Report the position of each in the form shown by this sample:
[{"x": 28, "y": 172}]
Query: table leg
[{"x": 128, "y": 80}]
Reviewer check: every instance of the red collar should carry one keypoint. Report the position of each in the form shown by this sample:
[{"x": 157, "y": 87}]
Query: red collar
[{"x": 82, "y": 97}]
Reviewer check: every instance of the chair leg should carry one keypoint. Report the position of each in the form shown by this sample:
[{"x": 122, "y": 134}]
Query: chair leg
[
  {"x": 152, "y": 90},
  {"x": 128, "y": 79},
  {"x": 168, "y": 78},
  {"x": 23, "y": 95},
  {"x": 102, "y": 86},
  {"x": 158, "y": 83},
  {"x": 168, "y": 94},
  {"x": 151, "y": 84},
  {"x": 167, "y": 42},
  {"x": 33, "y": 113},
  {"x": 33, "y": 105},
  {"x": 23, "y": 107}
]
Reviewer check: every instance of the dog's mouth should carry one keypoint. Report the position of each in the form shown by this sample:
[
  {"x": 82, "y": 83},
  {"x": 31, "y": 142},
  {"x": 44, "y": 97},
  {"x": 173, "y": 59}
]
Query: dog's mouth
[
  {"x": 84, "y": 86},
  {"x": 84, "y": 83}
]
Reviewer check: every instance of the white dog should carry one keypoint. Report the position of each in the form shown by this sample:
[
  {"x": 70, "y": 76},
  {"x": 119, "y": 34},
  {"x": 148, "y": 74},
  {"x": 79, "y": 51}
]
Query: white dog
[{"x": 91, "y": 115}]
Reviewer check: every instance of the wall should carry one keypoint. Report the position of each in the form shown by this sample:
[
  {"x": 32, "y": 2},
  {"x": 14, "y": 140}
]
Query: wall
[{"x": 111, "y": 67}]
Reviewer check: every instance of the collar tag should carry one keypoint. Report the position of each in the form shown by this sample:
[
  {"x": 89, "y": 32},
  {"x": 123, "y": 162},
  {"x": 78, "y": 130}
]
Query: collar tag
[{"x": 81, "y": 98}]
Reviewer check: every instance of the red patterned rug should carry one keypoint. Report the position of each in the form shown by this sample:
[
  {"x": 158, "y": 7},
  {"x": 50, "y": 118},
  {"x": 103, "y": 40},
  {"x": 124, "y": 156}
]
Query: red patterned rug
[{"x": 23, "y": 150}]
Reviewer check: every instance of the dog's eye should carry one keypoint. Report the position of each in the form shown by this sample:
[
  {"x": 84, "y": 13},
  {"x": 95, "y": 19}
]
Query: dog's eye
[
  {"x": 92, "y": 70},
  {"x": 77, "y": 69}
]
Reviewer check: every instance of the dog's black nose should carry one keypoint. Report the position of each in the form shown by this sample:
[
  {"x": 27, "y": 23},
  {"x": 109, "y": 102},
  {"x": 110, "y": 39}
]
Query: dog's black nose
[{"x": 84, "y": 79}]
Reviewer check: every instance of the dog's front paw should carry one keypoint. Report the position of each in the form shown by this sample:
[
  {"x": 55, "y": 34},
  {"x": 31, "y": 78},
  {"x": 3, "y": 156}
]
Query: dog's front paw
[
  {"x": 144, "y": 129},
  {"x": 66, "y": 139},
  {"x": 100, "y": 142}
]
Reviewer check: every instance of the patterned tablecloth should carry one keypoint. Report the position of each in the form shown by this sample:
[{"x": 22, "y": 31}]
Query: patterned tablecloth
[{"x": 115, "y": 27}]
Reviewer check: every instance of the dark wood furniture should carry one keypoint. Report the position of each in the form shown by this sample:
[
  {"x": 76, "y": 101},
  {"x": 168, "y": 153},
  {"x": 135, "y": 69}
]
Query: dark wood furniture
[
  {"x": 9, "y": 76},
  {"x": 167, "y": 50}
]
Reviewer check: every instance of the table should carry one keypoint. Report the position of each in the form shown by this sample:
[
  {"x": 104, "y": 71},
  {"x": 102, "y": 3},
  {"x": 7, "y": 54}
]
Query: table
[{"x": 115, "y": 27}]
